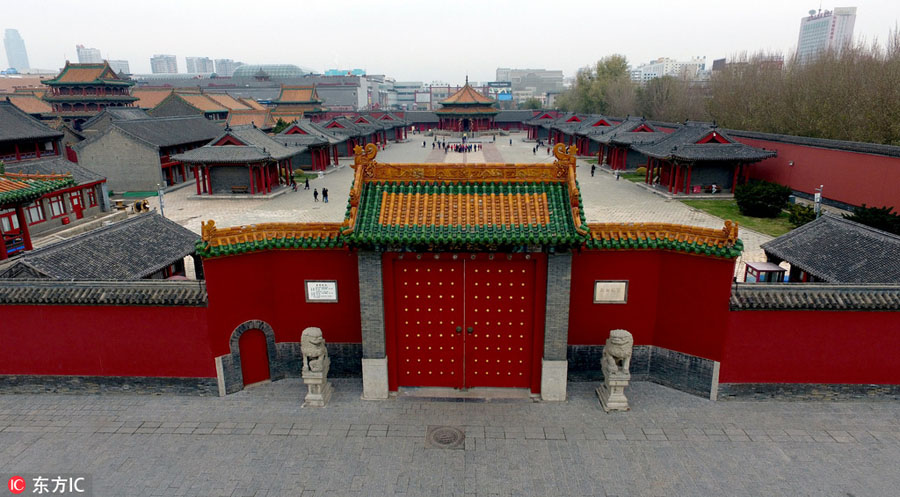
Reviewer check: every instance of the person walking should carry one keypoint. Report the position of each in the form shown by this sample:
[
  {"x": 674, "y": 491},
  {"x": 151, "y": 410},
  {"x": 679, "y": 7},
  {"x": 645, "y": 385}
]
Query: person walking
[
  {"x": 510, "y": 142},
  {"x": 593, "y": 168},
  {"x": 293, "y": 185},
  {"x": 315, "y": 194},
  {"x": 325, "y": 195},
  {"x": 306, "y": 186}
]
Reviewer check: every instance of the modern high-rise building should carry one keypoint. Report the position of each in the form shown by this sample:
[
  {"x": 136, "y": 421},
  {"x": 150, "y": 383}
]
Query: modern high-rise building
[
  {"x": 16, "y": 55},
  {"x": 825, "y": 30},
  {"x": 88, "y": 55},
  {"x": 163, "y": 64},
  {"x": 120, "y": 66},
  {"x": 225, "y": 67},
  {"x": 198, "y": 65}
]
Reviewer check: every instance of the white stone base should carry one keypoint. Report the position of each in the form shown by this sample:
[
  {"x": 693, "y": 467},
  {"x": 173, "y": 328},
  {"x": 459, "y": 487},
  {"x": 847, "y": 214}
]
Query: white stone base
[
  {"x": 554, "y": 376},
  {"x": 318, "y": 388},
  {"x": 612, "y": 393},
  {"x": 375, "y": 379}
]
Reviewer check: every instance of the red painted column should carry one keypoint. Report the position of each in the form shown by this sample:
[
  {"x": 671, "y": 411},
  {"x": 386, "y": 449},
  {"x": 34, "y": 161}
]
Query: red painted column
[
  {"x": 18, "y": 154},
  {"x": 647, "y": 172},
  {"x": 252, "y": 189},
  {"x": 3, "y": 254},
  {"x": 197, "y": 179},
  {"x": 23, "y": 227},
  {"x": 734, "y": 180},
  {"x": 37, "y": 150},
  {"x": 671, "y": 178}
]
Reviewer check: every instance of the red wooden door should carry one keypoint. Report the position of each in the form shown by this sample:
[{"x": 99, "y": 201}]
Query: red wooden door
[
  {"x": 464, "y": 323},
  {"x": 254, "y": 357},
  {"x": 77, "y": 204},
  {"x": 499, "y": 328},
  {"x": 430, "y": 338}
]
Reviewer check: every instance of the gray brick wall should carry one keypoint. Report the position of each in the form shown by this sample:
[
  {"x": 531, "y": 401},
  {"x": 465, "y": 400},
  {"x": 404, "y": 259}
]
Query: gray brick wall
[
  {"x": 224, "y": 177},
  {"x": 556, "y": 328},
  {"x": 807, "y": 391},
  {"x": 371, "y": 304},
  {"x": 673, "y": 369},
  {"x": 106, "y": 384},
  {"x": 127, "y": 163}
]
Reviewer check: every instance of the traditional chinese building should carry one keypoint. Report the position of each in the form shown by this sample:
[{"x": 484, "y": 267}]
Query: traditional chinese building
[
  {"x": 467, "y": 110},
  {"x": 17, "y": 191},
  {"x": 696, "y": 156},
  {"x": 81, "y": 91},
  {"x": 295, "y": 102},
  {"x": 241, "y": 160}
]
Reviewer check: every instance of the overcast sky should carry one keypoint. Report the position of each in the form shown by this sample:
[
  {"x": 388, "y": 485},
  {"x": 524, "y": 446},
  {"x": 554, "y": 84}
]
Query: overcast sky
[{"x": 418, "y": 40}]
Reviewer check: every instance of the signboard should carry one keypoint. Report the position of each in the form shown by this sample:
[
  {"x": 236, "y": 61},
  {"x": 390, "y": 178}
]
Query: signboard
[
  {"x": 501, "y": 97},
  {"x": 321, "y": 290},
  {"x": 500, "y": 84},
  {"x": 610, "y": 292}
]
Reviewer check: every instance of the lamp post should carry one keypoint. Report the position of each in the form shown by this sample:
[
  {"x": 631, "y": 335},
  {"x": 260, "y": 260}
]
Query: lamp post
[
  {"x": 162, "y": 200},
  {"x": 818, "y": 200}
]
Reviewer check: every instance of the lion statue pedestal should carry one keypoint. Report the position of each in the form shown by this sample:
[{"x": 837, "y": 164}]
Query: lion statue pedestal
[
  {"x": 615, "y": 364},
  {"x": 315, "y": 368}
]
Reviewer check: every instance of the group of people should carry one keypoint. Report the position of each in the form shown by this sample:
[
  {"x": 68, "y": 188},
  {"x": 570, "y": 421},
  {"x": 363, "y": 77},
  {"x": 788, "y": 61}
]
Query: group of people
[
  {"x": 462, "y": 147},
  {"x": 315, "y": 190}
]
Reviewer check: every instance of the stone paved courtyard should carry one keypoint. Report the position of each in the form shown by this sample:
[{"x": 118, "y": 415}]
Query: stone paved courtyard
[
  {"x": 259, "y": 442},
  {"x": 605, "y": 199}
]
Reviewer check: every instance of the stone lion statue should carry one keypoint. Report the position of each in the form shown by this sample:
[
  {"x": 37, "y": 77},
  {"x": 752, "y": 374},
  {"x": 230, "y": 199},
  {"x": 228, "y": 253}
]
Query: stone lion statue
[
  {"x": 312, "y": 346},
  {"x": 617, "y": 353}
]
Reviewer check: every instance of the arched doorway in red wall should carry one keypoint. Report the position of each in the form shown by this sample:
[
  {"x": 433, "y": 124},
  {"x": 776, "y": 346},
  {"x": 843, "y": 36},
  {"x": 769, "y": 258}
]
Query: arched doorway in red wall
[{"x": 254, "y": 357}]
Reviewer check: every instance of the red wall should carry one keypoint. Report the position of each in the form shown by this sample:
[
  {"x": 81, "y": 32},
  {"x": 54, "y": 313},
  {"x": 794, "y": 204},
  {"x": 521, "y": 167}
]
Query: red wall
[
  {"x": 849, "y": 177},
  {"x": 269, "y": 286},
  {"x": 811, "y": 347},
  {"x": 677, "y": 301},
  {"x": 105, "y": 341}
]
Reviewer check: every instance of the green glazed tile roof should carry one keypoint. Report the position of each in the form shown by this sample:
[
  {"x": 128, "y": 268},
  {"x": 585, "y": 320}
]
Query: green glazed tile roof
[
  {"x": 25, "y": 188},
  {"x": 471, "y": 214}
]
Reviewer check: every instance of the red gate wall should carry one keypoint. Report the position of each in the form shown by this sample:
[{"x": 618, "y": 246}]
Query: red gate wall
[
  {"x": 849, "y": 177},
  {"x": 105, "y": 341},
  {"x": 269, "y": 286},
  {"x": 677, "y": 301},
  {"x": 811, "y": 347}
]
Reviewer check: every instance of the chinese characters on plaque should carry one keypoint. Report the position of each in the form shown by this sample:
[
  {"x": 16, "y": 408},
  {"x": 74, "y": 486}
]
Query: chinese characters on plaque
[
  {"x": 321, "y": 291},
  {"x": 610, "y": 292}
]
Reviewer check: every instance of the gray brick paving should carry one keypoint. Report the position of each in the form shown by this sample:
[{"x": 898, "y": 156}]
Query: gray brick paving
[{"x": 260, "y": 442}]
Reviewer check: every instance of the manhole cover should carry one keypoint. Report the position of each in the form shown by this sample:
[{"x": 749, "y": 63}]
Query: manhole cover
[{"x": 445, "y": 437}]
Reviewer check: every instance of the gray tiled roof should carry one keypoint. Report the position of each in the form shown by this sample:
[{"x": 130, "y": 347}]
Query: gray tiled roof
[
  {"x": 814, "y": 297},
  {"x": 251, "y": 135},
  {"x": 420, "y": 116},
  {"x": 127, "y": 250},
  {"x": 170, "y": 131},
  {"x": 623, "y": 129},
  {"x": 142, "y": 292},
  {"x": 681, "y": 144},
  {"x": 17, "y": 125},
  {"x": 298, "y": 140},
  {"x": 226, "y": 154},
  {"x": 314, "y": 129},
  {"x": 838, "y": 250},
  {"x": 55, "y": 165},
  {"x": 117, "y": 114},
  {"x": 514, "y": 116}
]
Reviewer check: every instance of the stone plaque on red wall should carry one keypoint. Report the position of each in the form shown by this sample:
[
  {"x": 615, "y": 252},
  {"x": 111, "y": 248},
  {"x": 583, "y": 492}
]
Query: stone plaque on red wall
[
  {"x": 321, "y": 291},
  {"x": 610, "y": 292}
]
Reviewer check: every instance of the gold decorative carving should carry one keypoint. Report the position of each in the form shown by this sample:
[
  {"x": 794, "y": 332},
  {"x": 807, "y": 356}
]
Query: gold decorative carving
[
  {"x": 266, "y": 231},
  {"x": 725, "y": 237},
  {"x": 451, "y": 172},
  {"x": 207, "y": 230},
  {"x": 364, "y": 156}
]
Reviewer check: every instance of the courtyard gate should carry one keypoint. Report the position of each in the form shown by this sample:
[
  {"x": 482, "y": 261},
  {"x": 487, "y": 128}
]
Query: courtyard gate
[{"x": 464, "y": 321}]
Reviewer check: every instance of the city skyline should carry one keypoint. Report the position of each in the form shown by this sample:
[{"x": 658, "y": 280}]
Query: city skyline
[{"x": 502, "y": 34}]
